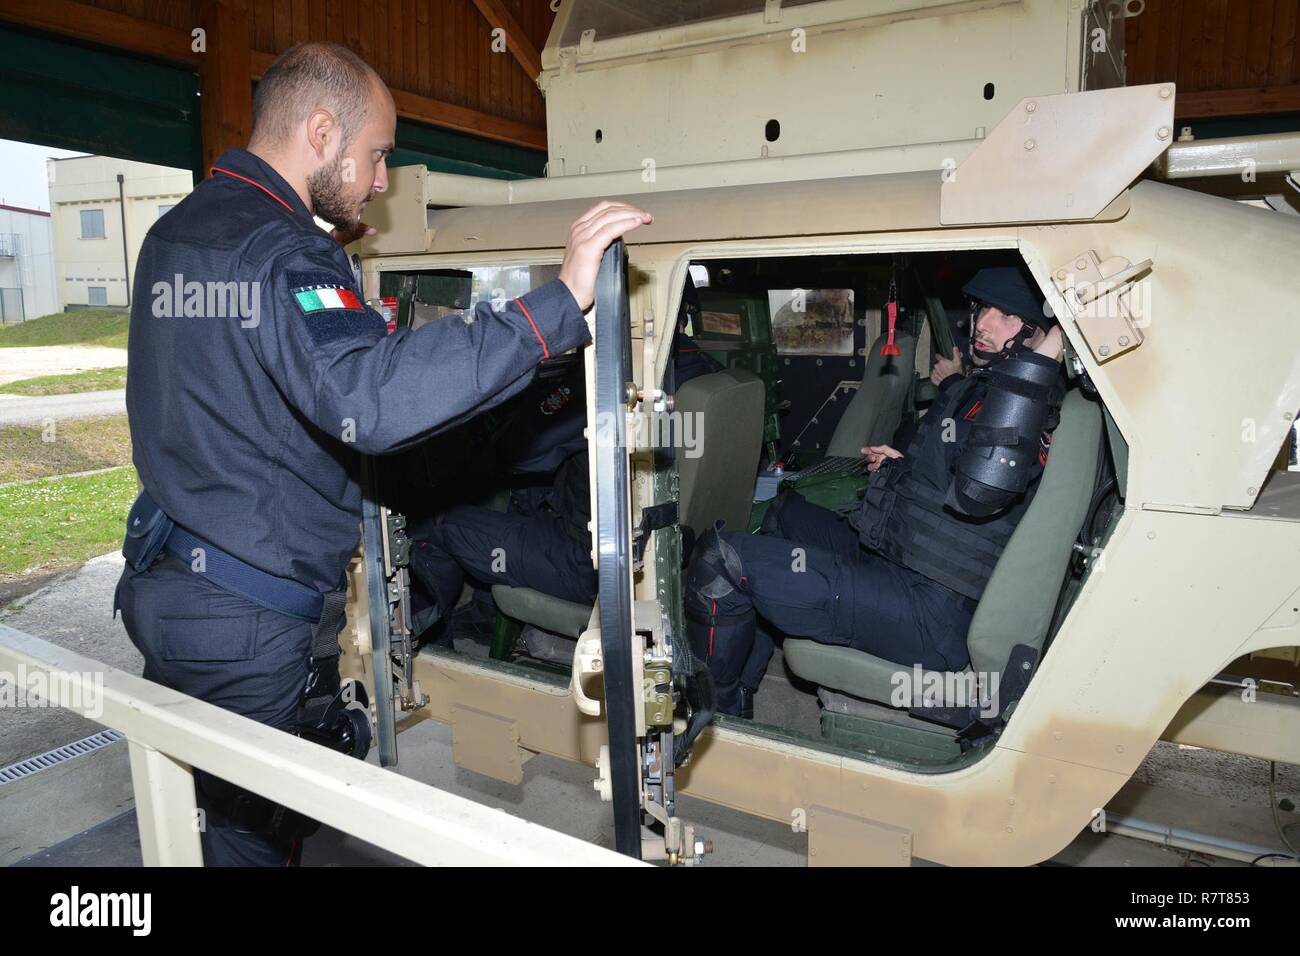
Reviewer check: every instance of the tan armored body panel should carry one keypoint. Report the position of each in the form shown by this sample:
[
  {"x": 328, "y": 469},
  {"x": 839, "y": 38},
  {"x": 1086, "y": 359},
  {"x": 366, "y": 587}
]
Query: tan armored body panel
[{"x": 1178, "y": 305}]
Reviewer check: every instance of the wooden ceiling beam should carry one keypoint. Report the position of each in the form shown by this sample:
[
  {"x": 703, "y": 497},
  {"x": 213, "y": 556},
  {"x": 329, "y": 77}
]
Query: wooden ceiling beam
[
  {"x": 517, "y": 42},
  {"x": 1252, "y": 101},
  {"x": 118, "y": 30},
  {"x": 425, "y": 109}
]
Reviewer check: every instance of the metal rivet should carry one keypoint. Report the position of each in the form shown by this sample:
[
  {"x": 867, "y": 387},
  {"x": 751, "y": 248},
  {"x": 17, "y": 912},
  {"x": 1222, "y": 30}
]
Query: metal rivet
[
  {"x": 1287, "y": 416},
  {"x": 1251, "y": 491},
  {"x": 1119, "y": 748},
  {"x": 1024, "y": 665},
  {"x": 1030, "y": 144},
  {"x": 1151, "y": 535},
  {"x": 1030, "y": 106},
  {"x": 1081, "y": 264},
  {"x": 1060, "y": 274},
  {"x": 1162, "y": 132},
  {"x": 1123, "y": 340},
  {"x": 1166, "y": 92},
  {"x": 1103, "y": 350}
]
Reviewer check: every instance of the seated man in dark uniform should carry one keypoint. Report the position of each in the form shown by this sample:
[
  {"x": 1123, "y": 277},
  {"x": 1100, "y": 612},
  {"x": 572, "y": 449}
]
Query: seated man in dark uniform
[
  {"x": 902, "y": 578},
  {"x": 542, "y": 540}
]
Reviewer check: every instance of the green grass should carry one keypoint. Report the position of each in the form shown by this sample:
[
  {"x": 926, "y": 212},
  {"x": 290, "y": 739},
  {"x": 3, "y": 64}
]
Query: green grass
[
  {"x": 78, "y": 444},
  {"x": 85, "y": 327},
  {"x": 94, "y": 380},
  {"x": 62, "y": 522}
]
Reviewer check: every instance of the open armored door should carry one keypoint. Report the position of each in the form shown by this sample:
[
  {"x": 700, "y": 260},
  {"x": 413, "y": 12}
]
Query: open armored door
[
  {"x": 649, "y": 683},
  {"x": 620, "y": 665}
]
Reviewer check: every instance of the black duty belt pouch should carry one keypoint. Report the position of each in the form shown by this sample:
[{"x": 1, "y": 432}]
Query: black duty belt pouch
[{"x": 147, "y": 528}]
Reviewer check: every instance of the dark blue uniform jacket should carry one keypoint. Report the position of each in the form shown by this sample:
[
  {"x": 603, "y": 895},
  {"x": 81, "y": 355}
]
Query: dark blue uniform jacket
[{"x": 256, "y": 374}]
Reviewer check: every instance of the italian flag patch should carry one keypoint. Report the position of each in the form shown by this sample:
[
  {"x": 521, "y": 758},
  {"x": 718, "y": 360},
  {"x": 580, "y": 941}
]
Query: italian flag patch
[{"x": 318, "y": 298}]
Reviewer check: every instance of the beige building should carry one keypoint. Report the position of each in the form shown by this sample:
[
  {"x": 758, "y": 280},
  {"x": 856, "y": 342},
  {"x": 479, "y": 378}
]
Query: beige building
[{"x": 94, "y": 261}]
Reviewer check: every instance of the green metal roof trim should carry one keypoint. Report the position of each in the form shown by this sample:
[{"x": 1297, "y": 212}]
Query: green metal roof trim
[
  {"x": 449, "y": 152},
  {"x": 61, "y": 93}
]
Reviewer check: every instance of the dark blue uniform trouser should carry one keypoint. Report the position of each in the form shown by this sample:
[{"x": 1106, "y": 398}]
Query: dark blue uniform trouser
[
  {"x": 809, "y": 577},
  {"x": 491, "y": 547},
  {"x": 206, "y": 642}
]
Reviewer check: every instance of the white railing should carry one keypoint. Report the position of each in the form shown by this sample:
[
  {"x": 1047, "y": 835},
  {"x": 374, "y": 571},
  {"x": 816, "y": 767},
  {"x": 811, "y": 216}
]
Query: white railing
[{"x": 169, "y": 733}]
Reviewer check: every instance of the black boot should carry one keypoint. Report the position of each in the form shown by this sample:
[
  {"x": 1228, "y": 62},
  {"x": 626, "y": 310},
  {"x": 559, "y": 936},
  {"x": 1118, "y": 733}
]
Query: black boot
[{"x": 747, "y": 702}]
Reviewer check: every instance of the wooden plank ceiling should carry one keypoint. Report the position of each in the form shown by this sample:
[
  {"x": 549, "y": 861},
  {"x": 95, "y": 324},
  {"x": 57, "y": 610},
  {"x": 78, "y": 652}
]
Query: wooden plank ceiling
[
  {"x": 1228, "y": 57},
  {"x": 436, "y": 56}
]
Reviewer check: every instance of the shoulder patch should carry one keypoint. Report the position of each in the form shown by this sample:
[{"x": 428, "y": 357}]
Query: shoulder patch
[
  {"x": 318, "y": 293},
  {"x": 332, "y": 307}
]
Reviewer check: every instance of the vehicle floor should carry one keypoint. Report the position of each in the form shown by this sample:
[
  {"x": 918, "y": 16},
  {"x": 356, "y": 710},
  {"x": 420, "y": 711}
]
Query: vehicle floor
[{"x": 784, "y": 700}]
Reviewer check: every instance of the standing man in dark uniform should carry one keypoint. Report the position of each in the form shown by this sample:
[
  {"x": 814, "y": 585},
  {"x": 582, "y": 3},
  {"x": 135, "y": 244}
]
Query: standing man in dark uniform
[
  {"x": 256, "y": 377},
  {"x": 902, "y": 579}
]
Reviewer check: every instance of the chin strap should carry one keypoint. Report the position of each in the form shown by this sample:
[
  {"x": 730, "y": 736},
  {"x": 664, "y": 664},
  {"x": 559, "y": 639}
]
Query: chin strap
[{"x": 1012, "y": 346}]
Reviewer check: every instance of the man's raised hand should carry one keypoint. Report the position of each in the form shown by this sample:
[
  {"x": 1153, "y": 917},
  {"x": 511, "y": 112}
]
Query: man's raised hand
[{"x": 588, "y": 238}]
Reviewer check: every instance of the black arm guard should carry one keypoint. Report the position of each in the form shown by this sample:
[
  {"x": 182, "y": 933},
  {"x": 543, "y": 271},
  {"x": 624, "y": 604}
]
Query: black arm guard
[{"x": 996, "y": 463}]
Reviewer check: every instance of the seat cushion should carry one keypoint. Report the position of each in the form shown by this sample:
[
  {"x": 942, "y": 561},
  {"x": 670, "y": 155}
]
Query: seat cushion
[
  {"x": 865, "y": 675},
  {"x": 542, "y": 610}
]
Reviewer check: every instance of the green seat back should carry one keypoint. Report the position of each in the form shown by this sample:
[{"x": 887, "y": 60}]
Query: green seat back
[
  {"x": 723, "y": 411},
  {"x": 876, "y": 409}
]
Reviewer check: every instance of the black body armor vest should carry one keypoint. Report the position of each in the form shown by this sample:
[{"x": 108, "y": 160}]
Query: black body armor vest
[{"x": 903, "y": 514}]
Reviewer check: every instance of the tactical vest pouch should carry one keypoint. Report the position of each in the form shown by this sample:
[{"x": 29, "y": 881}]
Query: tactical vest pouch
[{"x": 147, "y": 528}]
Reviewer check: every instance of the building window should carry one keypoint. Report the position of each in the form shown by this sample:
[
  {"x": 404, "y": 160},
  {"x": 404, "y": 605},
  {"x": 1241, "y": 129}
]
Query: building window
[
  {"x": 92, "y": 224},
  {"x": 164, "y": 210},
  {"x": 97, "y": 295}
]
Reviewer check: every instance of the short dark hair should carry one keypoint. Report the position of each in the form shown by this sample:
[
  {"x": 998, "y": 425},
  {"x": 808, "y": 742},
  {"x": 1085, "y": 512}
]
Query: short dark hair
[{"x": 307, "y": 77}]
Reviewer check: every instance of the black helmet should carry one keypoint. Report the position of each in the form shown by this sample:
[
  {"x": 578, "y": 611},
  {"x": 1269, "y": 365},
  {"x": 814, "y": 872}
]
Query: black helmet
[{"x": 1007, "y": 288}]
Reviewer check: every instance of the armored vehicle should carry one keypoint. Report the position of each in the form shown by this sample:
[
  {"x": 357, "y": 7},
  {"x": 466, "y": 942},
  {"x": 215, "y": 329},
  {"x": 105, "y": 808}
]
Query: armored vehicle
[{"x": 862, "y": 158}]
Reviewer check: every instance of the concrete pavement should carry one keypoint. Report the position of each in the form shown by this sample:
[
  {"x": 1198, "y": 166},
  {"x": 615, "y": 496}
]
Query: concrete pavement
[
  {"x": 35, "y": 409},
  {"x": 17, "y": 364}
]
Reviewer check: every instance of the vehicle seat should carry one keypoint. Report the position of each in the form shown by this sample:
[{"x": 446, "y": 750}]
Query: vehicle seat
[
  {"x": 726, "y": 411},
  {"x": 1021, "y": 595},
  {"x": 718, "y": 482},
  {"x": 876, "y": 409}
]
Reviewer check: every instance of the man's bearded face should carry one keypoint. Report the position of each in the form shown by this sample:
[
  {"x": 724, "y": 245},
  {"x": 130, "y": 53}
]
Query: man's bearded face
[{"x": 332, "y": 198}]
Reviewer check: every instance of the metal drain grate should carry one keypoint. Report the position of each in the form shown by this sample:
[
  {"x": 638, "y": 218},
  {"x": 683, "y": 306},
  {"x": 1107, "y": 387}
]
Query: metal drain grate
[{"x": 52, "y": 758}]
